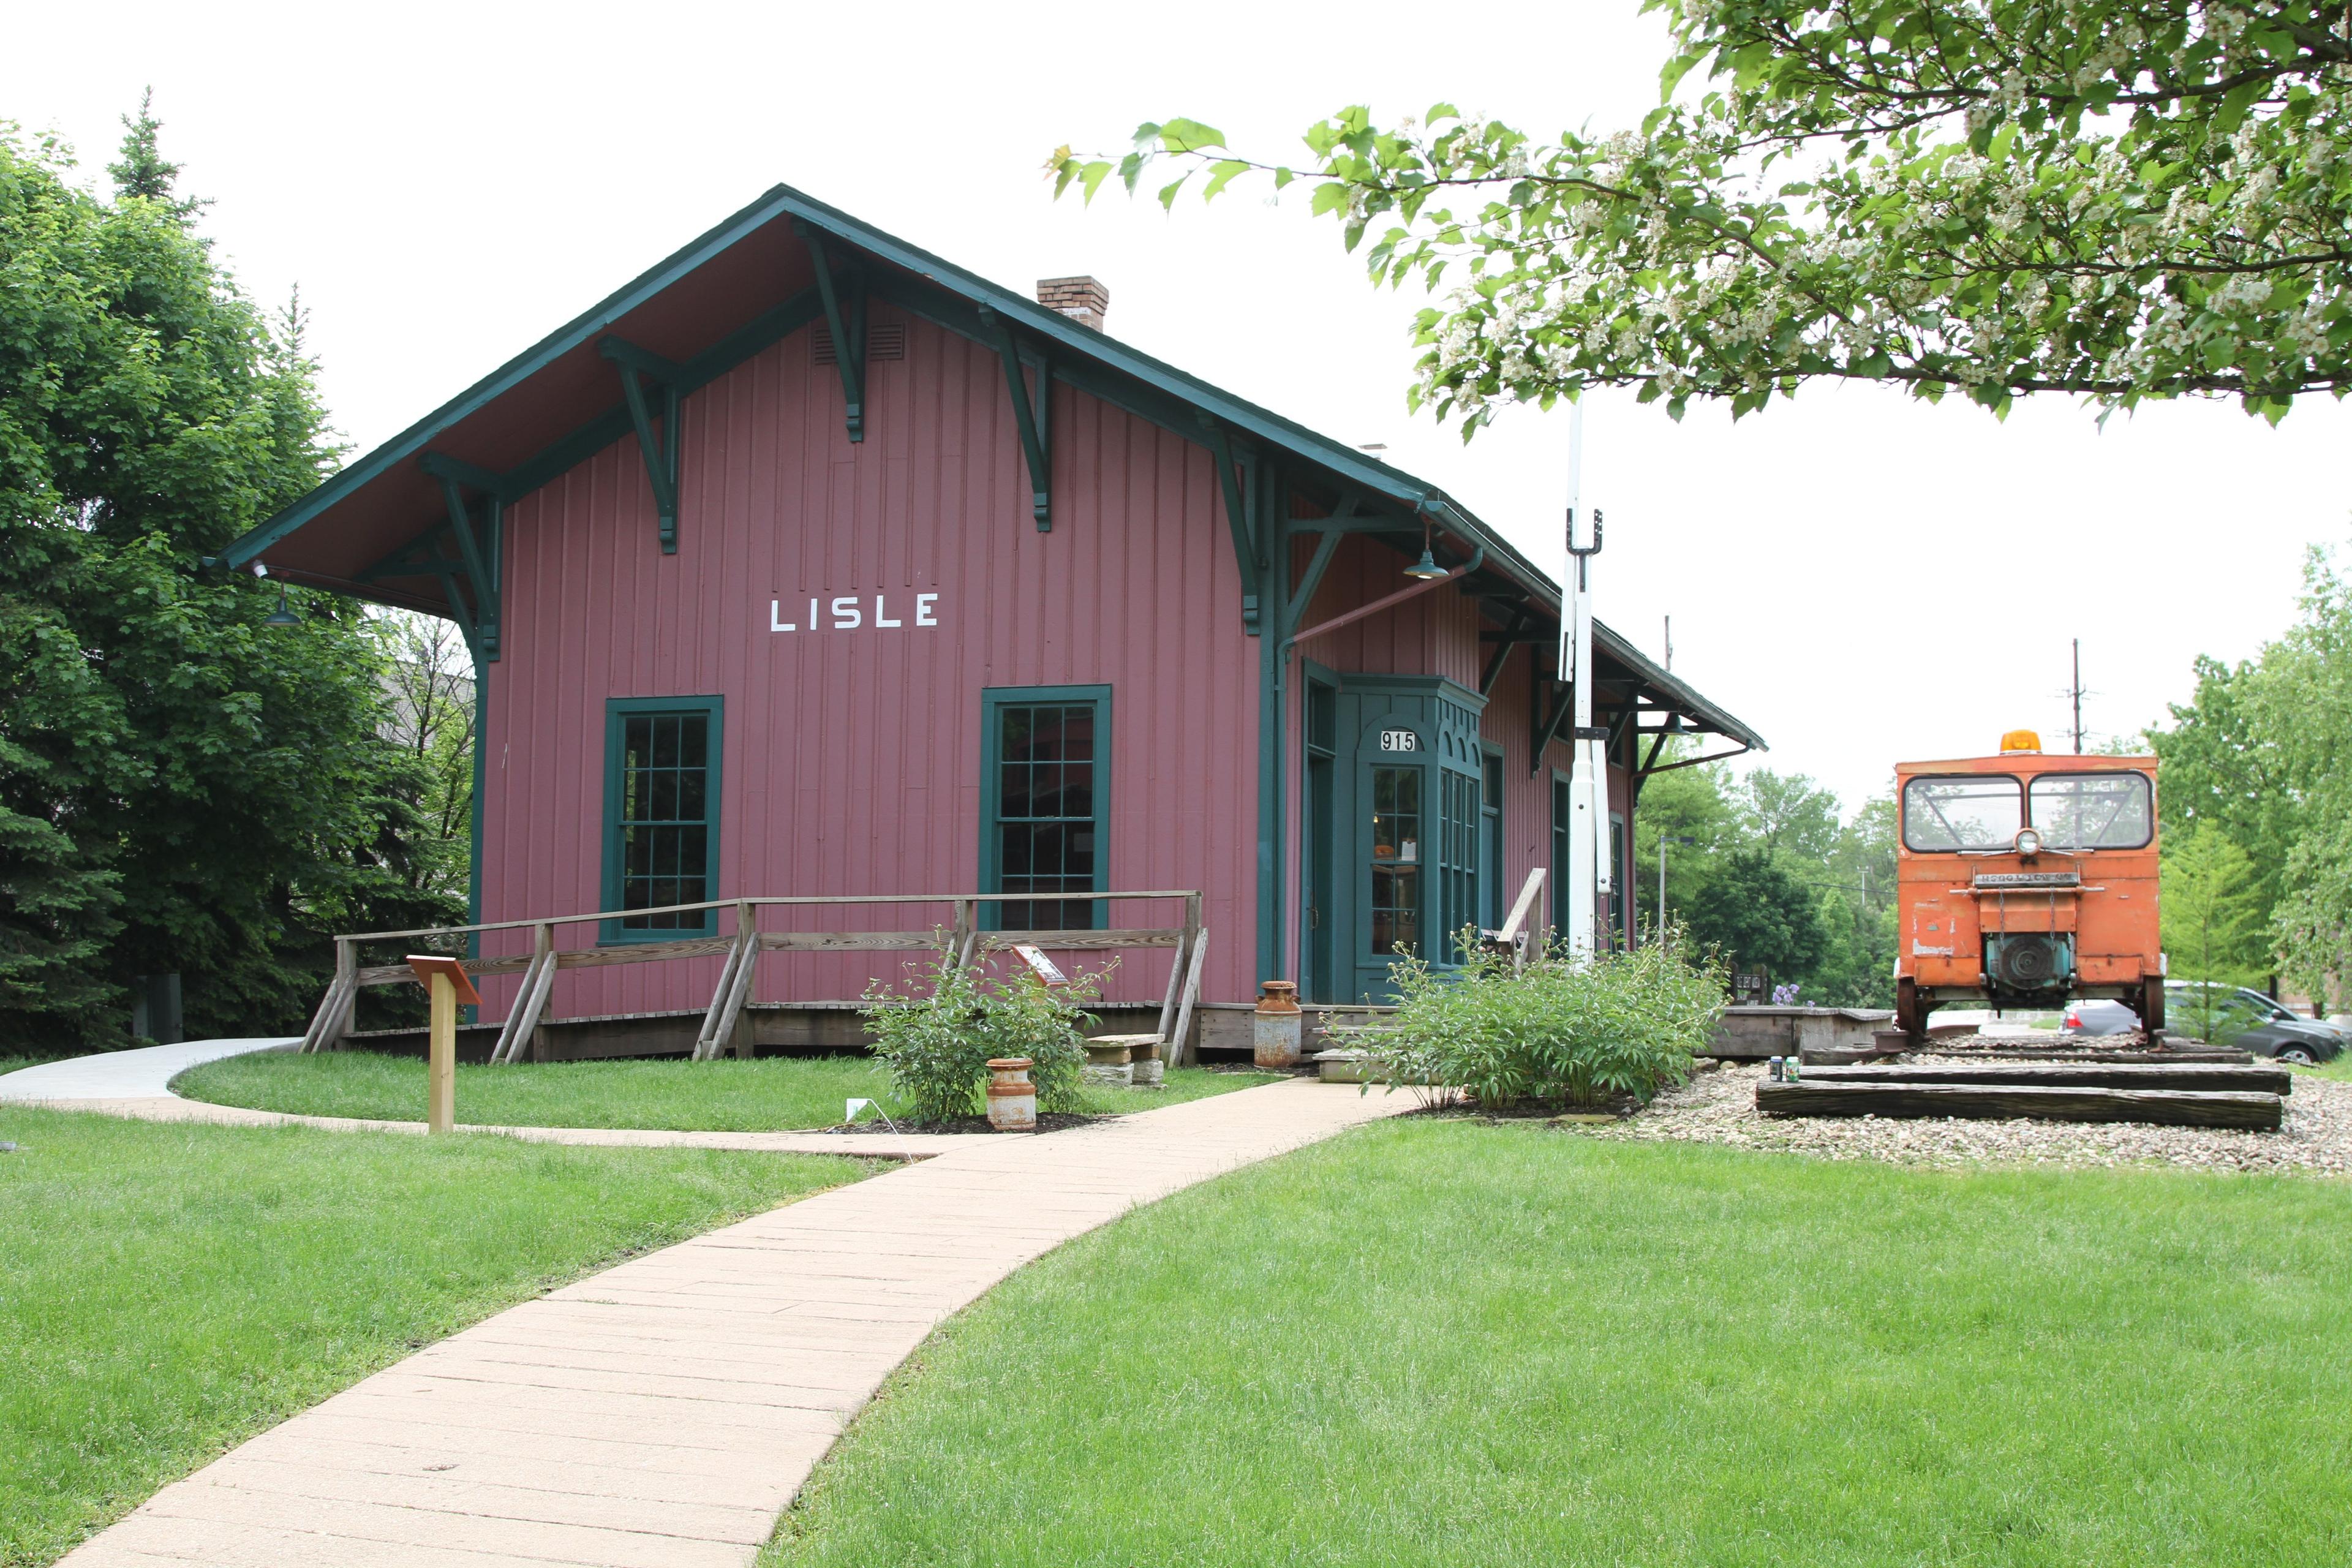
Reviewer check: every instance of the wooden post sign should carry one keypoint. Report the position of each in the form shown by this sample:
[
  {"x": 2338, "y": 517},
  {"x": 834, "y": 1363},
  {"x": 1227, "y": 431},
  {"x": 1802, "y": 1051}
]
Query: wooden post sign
[{"x": 445, "y": 980}]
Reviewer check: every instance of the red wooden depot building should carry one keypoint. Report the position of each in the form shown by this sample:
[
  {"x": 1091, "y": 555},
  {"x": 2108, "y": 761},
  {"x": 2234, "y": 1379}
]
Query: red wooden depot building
[{"x": 809, "y": 562}]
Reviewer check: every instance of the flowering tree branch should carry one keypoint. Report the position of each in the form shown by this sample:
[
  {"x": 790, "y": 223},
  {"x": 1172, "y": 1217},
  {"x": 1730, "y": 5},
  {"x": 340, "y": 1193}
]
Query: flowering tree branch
[{"x": 2124, "y": 199}]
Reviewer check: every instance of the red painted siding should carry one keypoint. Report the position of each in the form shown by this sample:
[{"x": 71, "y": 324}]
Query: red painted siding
[{"x": 851, "y": 760}]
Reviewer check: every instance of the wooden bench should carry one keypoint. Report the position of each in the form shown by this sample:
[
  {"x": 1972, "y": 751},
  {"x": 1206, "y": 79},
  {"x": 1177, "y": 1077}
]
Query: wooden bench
[{"x": 1123, "y": 1061}]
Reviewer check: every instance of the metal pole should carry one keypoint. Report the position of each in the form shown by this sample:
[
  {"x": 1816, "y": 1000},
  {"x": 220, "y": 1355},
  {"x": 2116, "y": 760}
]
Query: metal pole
[
  {"x": 2078, "y": 696},
  {"x": 1662, "y": 881},
  {"x": 1588, "y": 874}
]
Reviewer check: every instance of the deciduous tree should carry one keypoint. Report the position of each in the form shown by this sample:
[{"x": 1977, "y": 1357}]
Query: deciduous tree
[
  {"x": 182, "y": 787},
  {"x": 2123, "y": 199}
]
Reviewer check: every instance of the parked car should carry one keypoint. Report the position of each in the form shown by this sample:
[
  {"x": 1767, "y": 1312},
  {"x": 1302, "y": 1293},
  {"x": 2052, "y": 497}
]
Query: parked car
[{"x": 2228, "y": 1015}]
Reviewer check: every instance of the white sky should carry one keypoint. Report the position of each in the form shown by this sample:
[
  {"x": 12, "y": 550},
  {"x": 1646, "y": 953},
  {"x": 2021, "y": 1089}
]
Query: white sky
[{"x": 1861, "y": 577}]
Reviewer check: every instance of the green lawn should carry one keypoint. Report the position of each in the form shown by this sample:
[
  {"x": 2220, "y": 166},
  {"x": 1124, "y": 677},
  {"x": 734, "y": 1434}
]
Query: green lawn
[
  {"x": 1434, "y": 1341},
  {"x": 763, "y": 1094},
  {"x": 167, "y": 1291}
]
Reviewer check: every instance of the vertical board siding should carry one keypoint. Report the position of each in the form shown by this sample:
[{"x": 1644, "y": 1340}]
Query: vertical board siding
[{"x": 851, "y": 760}]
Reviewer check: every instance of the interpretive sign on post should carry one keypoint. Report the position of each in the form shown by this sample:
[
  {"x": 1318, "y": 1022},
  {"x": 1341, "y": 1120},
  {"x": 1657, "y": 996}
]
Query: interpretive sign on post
[{"x": 445, "y": 981}]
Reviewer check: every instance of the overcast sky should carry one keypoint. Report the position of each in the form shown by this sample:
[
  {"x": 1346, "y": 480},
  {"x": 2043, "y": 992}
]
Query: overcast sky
[{"x": 1861, "y": 577}]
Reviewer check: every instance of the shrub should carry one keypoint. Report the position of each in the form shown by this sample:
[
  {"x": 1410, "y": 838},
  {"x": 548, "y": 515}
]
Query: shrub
[
  {"x": 1563, "y": 1030},
  {"x": 928, "y": 1035},
  {"x": 1023, "y": 1017},
  {"x": 937, "y": 1032}
]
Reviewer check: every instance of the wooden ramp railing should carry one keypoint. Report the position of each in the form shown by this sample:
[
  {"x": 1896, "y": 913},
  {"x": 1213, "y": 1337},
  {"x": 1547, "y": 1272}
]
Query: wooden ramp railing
[{"x": 723, "y": 1020}]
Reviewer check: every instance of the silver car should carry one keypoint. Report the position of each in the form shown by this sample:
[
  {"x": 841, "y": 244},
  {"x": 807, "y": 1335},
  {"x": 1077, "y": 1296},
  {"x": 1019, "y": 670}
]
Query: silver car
[{"x": 2230, "y": 1015}]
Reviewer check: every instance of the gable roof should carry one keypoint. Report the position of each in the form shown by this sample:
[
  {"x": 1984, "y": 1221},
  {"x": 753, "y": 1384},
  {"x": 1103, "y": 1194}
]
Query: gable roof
[{"x": 714, "y": 303}]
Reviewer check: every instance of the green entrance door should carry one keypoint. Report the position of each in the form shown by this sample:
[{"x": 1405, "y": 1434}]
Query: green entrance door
[{"x": 1395, "y": 814}]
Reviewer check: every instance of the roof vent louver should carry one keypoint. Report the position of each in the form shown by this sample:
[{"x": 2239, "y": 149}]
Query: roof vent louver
[{"x": 884, "y": 340}]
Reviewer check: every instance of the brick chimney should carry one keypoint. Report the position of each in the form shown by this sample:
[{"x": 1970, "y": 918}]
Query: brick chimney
[{"x": 1082, "y": 300}]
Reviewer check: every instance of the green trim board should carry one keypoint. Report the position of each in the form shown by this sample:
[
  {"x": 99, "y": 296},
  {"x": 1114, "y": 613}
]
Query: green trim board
[
  {"x": 626, "y": 810},
  {"x": 995, "y": 702}
]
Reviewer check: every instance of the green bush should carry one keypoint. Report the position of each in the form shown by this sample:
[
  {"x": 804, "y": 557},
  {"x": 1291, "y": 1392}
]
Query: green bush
[
  {"x": 1561, "y": 1030},
  {"x": 938, "y": 1032}
]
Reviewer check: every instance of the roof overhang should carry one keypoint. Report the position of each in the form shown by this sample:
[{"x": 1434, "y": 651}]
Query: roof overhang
[{"x": 738, "y": 288}]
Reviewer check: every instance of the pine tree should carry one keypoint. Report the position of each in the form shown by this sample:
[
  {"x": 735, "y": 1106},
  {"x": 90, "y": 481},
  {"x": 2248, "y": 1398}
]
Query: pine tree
[{"x": 141, "y": 174}]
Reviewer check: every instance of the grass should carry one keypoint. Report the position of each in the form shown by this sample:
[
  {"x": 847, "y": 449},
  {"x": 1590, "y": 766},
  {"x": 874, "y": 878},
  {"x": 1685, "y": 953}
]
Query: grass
[
  {"x": 763, "y": 1094},
  {"x": 167, "y": 1291},
  {"x": 1438, "y": 1342}
]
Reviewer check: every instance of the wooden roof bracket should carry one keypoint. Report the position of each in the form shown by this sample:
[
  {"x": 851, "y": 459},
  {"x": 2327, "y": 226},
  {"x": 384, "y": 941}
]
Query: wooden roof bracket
[
  {"x": 847, "y": 321},
  {"x": 1032, "y": 415},
  {"x": 479, "y": 553},
  {"x": 660, "y": 451},
  {"x": 1242, "y": 518},
  {"x": 1513, "y": 636}
]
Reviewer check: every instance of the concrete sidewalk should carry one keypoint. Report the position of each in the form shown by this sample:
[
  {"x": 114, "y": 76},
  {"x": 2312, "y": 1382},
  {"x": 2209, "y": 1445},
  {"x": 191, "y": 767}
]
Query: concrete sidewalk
[
  {"x": 137, "y": 1084},
  {"x": 664, "y": 1413}
]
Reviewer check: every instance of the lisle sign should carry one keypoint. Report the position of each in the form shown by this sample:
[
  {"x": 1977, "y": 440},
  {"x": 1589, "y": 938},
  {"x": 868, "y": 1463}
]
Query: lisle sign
[{"x": 849, "y": 612}]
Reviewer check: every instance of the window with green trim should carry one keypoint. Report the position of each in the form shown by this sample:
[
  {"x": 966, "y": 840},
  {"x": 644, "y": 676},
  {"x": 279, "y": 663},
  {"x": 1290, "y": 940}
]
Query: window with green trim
[
  {"x": 1396, "y": 860},
  {"x": 661, "y": 815},
  {"x": 1490, "y": 858},
  {"x": 1045, "y": 800},
  {"x": 1457, "y": 863}
]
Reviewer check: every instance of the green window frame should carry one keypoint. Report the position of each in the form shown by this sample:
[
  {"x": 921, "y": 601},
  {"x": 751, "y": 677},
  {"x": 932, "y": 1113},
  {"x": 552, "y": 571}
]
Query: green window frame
[
  {"x": 1459, "y": 822},
  {"x": 1400, "y": 846},
  {"x": 1045, "y": 812},
  {"x": 1490, "y": 838},
  {"x": 661, "y": 814}
]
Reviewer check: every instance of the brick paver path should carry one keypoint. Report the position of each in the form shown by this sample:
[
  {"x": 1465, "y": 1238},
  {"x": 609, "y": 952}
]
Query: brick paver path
[{"x": 664, "y": 1413}]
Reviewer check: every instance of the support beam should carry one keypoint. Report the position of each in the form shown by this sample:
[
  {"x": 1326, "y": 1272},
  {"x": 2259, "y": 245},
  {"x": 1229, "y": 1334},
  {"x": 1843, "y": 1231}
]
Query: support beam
[
  {"x": 848, "y": 327},
  {"x": 1548, "y": 728},
  {"x": 1325, "y": 549},
  {"x": 1031, "y": 416},
  {"x": 660, "y": 451},
  {"x": 1240, "y": 518},
  {"x": 482, "y": 577},
  {"x": 1513, "y": 636}
]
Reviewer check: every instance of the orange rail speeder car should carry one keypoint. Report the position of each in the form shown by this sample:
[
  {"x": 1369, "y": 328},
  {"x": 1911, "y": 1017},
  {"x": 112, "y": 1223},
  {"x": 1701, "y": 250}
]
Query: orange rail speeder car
[{"x": 2025, "y": 880}]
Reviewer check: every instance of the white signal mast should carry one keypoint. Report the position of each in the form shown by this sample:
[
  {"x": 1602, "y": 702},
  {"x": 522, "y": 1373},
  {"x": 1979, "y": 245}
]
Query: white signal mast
[{"x": 1589, "y": 871}]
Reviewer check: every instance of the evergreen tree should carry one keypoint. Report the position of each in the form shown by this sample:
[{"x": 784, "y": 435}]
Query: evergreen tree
[{"x": 141, "y": 172}]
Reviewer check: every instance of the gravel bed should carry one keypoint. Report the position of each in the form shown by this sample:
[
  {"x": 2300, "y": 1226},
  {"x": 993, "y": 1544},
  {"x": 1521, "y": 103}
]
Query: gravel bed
[{"x": 1719, "y": 1106}]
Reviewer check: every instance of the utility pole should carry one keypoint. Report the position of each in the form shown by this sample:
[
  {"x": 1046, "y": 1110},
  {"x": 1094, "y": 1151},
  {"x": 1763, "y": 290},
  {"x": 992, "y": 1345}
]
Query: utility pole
[
  {"x": 1590, "y": 875},
  {"x": 1664, "y": 839},
  {"x": 1670, "y": 645},
  {"x": 2076, "y": 692}
]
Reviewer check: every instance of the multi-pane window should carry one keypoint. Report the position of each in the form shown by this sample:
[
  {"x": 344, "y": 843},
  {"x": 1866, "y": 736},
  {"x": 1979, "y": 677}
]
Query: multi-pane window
[
  {"x": 1396, "y": 859},
  {"x": 1490, "y": 869},
  {"x": 1458, "y": 796},
  {"x": 662, "y": 809},
  {"x": 1045, "y": 835}
]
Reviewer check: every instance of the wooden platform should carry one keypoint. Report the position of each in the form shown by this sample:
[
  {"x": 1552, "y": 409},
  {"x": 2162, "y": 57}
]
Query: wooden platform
[{"x": 2001, "y": 1102}]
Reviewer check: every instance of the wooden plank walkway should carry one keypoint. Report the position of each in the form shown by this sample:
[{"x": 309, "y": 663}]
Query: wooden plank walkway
[{"x": 663, "y": 1414}]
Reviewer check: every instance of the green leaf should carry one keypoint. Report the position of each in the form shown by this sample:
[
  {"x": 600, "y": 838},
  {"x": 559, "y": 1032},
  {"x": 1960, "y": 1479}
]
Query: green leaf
[
  {"x": 1221, "y": 174},
  {"x": 1190, "y": 136}
]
